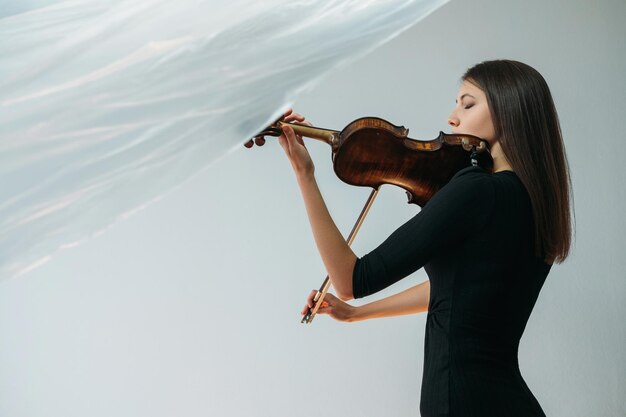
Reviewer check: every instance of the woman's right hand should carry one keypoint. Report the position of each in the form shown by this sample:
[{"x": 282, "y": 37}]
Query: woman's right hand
[{"x": 332, "y": 306}]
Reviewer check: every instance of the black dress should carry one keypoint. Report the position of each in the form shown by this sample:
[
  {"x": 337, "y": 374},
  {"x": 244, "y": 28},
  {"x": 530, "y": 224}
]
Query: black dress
[{"x": 475, "y": 239}]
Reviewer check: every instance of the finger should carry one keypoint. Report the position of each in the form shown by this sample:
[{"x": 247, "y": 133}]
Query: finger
[
  {"x": 282, "y": 140},
  {"x": 286, "y": 136},
  {"x": 292, "y": 137},
  {"x": 294, "y": 116},
  {"x": 289, "y": 133},
  {"x": 286, "y": 143},
  {"x": 290, "y": 112},
  {"x": 325, "y": 310},
  {"x": 310, "y": 303}
]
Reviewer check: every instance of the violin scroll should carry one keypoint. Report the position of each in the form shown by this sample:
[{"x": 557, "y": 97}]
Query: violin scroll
[
  {"x": 257, "y": 140},
  {"x": 272, "y": 130}
]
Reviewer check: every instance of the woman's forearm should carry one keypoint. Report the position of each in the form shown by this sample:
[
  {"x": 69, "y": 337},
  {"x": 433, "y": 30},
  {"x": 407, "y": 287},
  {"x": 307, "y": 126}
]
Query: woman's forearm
[
  {"x": 337, "y": 256},
  {"x": 411, "y": 301}
]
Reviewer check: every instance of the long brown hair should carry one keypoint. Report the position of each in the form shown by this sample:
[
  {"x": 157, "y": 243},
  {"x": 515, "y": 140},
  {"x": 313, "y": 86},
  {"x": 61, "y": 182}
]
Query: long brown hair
[{"x": 527, "y": 125}]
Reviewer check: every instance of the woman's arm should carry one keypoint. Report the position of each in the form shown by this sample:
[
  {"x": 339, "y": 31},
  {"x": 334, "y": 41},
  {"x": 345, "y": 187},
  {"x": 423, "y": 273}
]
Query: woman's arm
[
  {"x": 337, "y": 256},
  {"x": 411, "y": 301}
]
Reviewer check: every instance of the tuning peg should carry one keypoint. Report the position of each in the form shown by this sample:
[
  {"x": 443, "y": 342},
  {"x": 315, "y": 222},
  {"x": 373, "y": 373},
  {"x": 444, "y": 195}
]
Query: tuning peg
[
  {"x": 249, "y": 144},
  {"x": 259, "y": 140}
]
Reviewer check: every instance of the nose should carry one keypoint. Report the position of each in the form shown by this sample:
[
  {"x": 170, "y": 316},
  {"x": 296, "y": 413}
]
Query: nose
[{"x": 453, "y": 121}]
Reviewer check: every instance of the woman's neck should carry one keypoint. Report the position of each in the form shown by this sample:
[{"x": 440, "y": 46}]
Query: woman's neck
[{"x": 500, "y": 163}]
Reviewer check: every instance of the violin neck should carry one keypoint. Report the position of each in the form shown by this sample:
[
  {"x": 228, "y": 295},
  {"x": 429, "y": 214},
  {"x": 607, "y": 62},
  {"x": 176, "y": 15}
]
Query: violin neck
[{"x": 328, "y": 136}]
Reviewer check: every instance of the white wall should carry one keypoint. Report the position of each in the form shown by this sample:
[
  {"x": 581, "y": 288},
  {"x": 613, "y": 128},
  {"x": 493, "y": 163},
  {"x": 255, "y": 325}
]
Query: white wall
[{"x": 192, "y": 306}]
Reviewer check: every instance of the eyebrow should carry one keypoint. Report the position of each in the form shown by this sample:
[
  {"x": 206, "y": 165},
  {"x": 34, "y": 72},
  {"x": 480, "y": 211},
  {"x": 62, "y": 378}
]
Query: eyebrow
[{"x": 466, "y": 94}]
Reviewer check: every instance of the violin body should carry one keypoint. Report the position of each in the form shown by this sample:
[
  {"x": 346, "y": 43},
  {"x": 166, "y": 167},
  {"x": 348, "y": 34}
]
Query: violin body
[
  {"x": 373, "y": 152},
  {"x": 370, "y": 152}
]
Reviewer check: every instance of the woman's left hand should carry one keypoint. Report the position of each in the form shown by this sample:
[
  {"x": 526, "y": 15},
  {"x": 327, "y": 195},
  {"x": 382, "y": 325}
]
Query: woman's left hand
[{"x": 294, "y": 147}]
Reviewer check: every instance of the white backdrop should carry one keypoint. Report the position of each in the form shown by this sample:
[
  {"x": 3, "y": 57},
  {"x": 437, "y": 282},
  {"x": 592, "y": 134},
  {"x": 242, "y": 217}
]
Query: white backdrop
[
  {"x": 106, "y": 105},
  {"x": 191, "y": 307}
]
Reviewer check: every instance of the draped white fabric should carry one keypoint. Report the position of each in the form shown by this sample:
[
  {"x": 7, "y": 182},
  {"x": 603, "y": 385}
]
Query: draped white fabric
[{"x": 105, "y": 105}]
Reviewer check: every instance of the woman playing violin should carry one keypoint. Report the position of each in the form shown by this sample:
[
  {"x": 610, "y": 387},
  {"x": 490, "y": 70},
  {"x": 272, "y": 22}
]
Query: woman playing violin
[{"x": 487, "y": 241}]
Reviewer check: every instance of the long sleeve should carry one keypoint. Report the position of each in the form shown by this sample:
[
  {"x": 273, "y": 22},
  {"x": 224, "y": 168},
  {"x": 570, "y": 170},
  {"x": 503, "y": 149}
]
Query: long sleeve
[{"x": 461, "y": 208}]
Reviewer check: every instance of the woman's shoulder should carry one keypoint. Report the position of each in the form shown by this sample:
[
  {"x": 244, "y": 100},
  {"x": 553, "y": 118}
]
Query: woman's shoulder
[
  {"x": 502, "y": 188},
  {"x": 473, "y": 176},
  {"x": 471, "y": 172},
  {"x": 480, "y": 177},
  {"x": 467, "y": 186},
  {"x": 475, "y": 185}
]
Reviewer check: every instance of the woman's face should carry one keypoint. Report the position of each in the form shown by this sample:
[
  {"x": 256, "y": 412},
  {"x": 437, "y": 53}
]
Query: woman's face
[{"x": 471, "y": 115}]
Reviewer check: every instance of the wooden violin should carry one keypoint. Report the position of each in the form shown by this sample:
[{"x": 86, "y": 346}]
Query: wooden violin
[{"x": 371, "y": 152}]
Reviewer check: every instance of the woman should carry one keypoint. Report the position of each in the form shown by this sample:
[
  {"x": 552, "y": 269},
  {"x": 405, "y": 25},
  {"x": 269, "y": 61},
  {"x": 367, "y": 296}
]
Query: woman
[{"x": 486, "y": 240}]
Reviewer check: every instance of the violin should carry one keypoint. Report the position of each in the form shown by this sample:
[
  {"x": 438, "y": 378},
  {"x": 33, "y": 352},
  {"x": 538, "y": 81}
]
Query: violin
[{"x": 371, "y": 151}]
